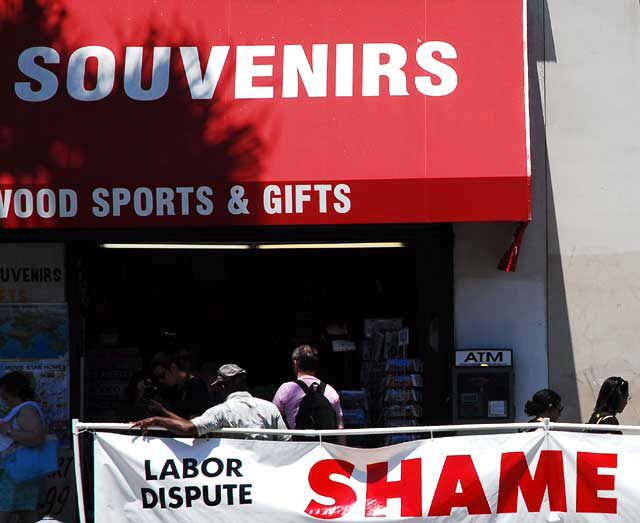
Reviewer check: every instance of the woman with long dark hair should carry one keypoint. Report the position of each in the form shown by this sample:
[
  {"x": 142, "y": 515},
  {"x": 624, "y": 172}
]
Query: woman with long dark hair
[{"x": 612, "y": 399}]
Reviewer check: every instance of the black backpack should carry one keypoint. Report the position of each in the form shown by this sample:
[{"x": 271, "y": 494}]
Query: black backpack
[{"x": 315, "y": 411}]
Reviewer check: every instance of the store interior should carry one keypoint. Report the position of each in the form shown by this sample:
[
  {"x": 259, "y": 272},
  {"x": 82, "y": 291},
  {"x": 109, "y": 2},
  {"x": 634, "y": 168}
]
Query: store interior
[{"x": 254, "y": 306}]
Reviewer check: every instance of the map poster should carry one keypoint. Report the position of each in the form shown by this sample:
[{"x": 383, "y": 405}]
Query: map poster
[
  {"x": 34, "y": 331},
  {"x": 51, "y": 378}
]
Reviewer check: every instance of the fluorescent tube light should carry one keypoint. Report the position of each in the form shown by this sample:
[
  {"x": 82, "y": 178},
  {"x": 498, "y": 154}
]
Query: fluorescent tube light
[
  {"x": 357, "y": 245},
  {"x": 220, "y": 246},
  {"x": 245, "y": 246}
]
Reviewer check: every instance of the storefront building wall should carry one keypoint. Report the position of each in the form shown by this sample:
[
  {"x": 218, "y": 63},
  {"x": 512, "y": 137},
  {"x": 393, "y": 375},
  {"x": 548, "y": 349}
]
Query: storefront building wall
[
  {"x": 574, "y": 299},
  {"x": 34, "y": 338},
  {"x": 476, "y": 168},
  {"x": 592, "y": 81},
  {"x": 499, "y": 310}
]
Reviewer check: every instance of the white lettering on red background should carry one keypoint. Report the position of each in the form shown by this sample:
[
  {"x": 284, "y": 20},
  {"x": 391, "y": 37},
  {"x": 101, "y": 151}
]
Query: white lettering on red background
[
  {"x": 290, "y": 199},
  {"x": 274, "y": 199},
  {"x": 157, "y": 201},
  {"x": 45, "y": 203},
  {"x": 379, "y": 60}
]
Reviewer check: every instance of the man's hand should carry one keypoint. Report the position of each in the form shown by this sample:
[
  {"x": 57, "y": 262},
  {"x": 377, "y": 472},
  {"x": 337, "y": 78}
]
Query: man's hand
[
  {"x": 144, "y": 424},
  {"x": 175, "y": 424},
  {"x": 139, "y": 389}
]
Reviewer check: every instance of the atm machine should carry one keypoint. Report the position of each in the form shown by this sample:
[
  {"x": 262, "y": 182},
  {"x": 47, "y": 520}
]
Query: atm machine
[{"x": 483, "y": 384}]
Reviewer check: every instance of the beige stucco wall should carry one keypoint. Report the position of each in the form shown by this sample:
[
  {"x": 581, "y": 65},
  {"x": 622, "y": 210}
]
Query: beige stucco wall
[
  {"x": 592, "y": 111},
  {"x": 572, "y": 311}
]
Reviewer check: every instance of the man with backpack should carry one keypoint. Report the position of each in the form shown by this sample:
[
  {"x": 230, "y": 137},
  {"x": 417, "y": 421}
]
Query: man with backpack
[{"x": 308, "y": 402}]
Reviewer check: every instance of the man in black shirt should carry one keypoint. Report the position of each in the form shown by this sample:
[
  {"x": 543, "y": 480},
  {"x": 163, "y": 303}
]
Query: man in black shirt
[{"x": 182, "y": 393}]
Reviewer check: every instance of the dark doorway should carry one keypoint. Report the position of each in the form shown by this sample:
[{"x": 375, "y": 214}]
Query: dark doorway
[{"x": 252, "y": 307}]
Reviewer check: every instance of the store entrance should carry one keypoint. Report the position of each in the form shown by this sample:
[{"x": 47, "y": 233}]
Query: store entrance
[{"x": 252, "y": 307}]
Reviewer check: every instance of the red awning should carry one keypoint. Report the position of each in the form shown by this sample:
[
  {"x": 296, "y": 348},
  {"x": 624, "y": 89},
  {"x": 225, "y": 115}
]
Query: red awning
[{"x": 203, "y": 113}]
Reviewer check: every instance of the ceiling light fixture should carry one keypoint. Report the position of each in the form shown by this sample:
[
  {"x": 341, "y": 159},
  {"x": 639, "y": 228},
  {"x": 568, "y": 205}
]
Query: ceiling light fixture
[
  {"x": 355, "y": 245},
  {"x": 184, "y": 246}
]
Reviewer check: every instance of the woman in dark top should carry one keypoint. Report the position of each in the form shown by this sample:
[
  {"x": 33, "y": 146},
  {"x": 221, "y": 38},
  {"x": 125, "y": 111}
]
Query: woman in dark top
[
  {"x": 612, "y": 399},
  {"x": 544, "y": 404}
]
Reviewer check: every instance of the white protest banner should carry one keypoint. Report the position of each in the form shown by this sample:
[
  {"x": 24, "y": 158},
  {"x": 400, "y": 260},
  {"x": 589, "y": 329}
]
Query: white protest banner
[{"x": 528, "y": 477}]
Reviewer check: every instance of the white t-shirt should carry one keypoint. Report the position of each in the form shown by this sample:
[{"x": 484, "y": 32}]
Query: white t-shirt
[{"x": 241, "y": 410}]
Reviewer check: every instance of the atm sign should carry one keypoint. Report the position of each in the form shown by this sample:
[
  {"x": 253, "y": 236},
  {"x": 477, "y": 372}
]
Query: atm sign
[{"x": 483, "y": 358}]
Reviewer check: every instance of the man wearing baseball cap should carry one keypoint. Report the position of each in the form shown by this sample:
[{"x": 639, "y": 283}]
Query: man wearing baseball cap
[{"x": 239, "y": 410}]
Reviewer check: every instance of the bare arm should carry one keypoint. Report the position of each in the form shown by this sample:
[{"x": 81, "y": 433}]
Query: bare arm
[
  {"x": 31, "y": 432},
  {"x": 169, "y": 414},
  {"x": 175, "y": 424},
  {"x": 341, "y": 440}
]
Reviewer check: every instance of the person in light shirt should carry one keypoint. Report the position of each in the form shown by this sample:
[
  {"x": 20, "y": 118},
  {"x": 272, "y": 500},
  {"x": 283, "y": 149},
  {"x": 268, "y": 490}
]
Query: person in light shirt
[
  {"x": 239, "y": 410},
  {"x": 288, "y": 397}
]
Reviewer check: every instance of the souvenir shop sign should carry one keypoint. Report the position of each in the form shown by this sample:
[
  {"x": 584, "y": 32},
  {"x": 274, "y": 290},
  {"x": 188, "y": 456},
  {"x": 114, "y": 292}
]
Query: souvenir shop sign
[
  {"x": 208, "y": 112},
  {"x": 32, "y": 273},
  {"x": 533, "y": 477}
]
